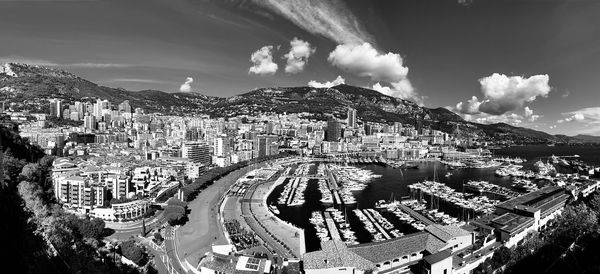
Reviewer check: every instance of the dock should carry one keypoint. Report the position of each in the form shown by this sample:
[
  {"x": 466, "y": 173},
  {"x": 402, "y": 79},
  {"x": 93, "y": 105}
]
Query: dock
[
  {"x": 416, "y": 215},
  {"x": 293, "y": 191},
  {"x": 332, "y": 181},
  {"x": 333, "y": 230},
  {"x": 336, "y": 197},
  {"x": 377, "y": 225},
  {"x": 306, "y": 176}
]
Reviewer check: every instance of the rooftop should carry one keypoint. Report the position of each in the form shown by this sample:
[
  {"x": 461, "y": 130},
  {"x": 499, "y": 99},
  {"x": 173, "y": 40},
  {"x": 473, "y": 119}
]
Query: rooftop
[
  {"x": 533, "y": 199},
  {"x": 437, "y": 257},
  {"x": 335, "y": 254},
  {"x": 446, "y": 232},
  {"x": 391, "y": 249},
  {"x": 511, "y": 222}
]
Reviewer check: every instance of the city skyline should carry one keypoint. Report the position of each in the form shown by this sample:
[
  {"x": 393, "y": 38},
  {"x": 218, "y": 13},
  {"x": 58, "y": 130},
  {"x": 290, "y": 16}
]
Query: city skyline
[
  {"x": 300, "y": 136},
  {"x": 527, "y": 63}
]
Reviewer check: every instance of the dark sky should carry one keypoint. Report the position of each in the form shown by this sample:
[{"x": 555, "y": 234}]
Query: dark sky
[{"x": 447, "y": 47}]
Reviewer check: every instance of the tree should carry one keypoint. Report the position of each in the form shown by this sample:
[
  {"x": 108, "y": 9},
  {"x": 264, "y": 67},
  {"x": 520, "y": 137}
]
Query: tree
[
  {"x": 174, "y": 214},
  {"x": 32, "y": 198},
  {"x": 573, "y": 223},
  {"x": 31, "y": 172},
  {"x": 91, "y": 229},
  {"x": 12, "y": 168},
  {"x": 501, "y": 256},
  {"x": 133, "y": 252},
  {"x": 158, "y": 238},
  {"x": 595, "y": 203},
  {"x": 176, "y": 202}
]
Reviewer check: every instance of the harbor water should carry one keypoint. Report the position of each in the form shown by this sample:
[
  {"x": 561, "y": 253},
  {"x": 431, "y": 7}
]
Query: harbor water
[{"x": 393, "y": 184}]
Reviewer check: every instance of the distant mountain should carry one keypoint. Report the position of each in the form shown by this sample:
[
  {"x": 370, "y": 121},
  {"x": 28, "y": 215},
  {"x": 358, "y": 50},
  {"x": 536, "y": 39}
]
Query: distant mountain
[
  {"x": 581, "y": 138},
  {"x": 29, "y": 86}
]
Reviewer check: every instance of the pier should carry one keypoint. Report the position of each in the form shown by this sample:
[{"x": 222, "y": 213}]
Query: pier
[
  {"x": 332, "y": 181},
  {"x": 306, "y": 176},
  {"x": 377, "y": 225},
  {"x": 336, "y": 197},
  {"x": 415, "y": 214},
  {"x": 293, "y": 191},
  {"x": 333, "y": 230}
]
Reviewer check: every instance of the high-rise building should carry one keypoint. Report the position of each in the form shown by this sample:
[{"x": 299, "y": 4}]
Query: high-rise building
[
  {"x": 79, "y": 108},
  {"x": 267, "y": 145},
  {"x": 197, "y": 152},
  {"x": 222, "y": 146},
  {"x": 89, "y": 122},
  {"x": 118, "y": 184},
  {"x": 397, "y": 127},
  {"x": 56, "y": 108},
  {"x": 334, "y": 130},
  {"x": 351, "y": 118}
]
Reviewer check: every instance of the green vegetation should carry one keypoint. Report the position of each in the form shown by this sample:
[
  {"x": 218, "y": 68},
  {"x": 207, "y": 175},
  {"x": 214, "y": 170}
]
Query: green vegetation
[
  {"x": 36, "y": 84},
  {"x": 60, "y": 122},
  {"x": 158, "y": 239},
  {"x": 133, "y": 252},
  {"x": 40, "y": 237},
  {"x": 175, "y": 212},
  {"x": 208, "y": 178}
]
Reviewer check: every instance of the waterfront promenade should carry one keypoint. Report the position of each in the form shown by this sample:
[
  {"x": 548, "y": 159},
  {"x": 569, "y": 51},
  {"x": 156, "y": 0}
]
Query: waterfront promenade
[
  {"x": 286, "y": 240},
  {"x": 203, "y": 228}
]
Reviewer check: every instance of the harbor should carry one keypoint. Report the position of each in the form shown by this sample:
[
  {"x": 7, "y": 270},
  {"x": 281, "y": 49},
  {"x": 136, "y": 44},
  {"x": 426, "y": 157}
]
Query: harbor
[{"x": 356, "y": 197}]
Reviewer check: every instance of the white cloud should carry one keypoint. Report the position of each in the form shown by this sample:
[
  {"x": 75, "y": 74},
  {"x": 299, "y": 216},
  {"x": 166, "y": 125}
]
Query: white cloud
[
  {"x": 528, "y": 113},
  {"x": 577, "y": 117},
  {"x": 402, "y": 89},
  {"x": 263, "y": 62},
  {"x": 338, "y": 81},
  {"x": 589, "y": 117},
  {"x": 503, "y": 93},
  {"x": 187, "y": 86},
  {"x": 471, "y": 107},
  {"x": 298, "y": 55},
  {"x": 330, "y": 18},
  {"x": 552, "y": 127},
  {"x": 484, "y": 118},
  {"x": 364, "y": 60}
]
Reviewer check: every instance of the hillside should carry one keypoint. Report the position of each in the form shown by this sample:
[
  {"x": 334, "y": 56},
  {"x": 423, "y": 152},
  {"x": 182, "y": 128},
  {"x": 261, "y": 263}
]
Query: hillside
[
  {"x": 31, "y": 84},
  {"x": 29, "y": 87}
]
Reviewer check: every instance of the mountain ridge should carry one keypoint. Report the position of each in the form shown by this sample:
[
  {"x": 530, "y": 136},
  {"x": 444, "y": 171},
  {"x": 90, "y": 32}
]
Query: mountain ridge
[{"x": 29, "y": 85}]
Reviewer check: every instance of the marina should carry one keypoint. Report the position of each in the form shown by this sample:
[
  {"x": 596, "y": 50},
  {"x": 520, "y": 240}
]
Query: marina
[
  {"x": 438, "y": 191},
  {"x": 377, "y": 232},
  {"x": 486, "y": 188},
  {"x": 339, "y": 188}
]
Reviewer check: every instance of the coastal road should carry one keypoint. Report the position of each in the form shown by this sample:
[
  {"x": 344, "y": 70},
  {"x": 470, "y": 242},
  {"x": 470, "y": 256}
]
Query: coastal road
[
  {"x": 160, "y": 256},
  {"x": 204, "y": 228},
  {"x": 126, "y": 230},
  {"x": 171, "y": 248}
]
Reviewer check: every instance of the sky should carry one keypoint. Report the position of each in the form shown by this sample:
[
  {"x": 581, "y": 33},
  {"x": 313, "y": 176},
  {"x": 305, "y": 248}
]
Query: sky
[{"x": 531, "y": 63}]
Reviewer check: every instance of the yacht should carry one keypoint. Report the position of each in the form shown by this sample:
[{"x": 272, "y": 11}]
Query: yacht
[{"x": 274, "y": 209}]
